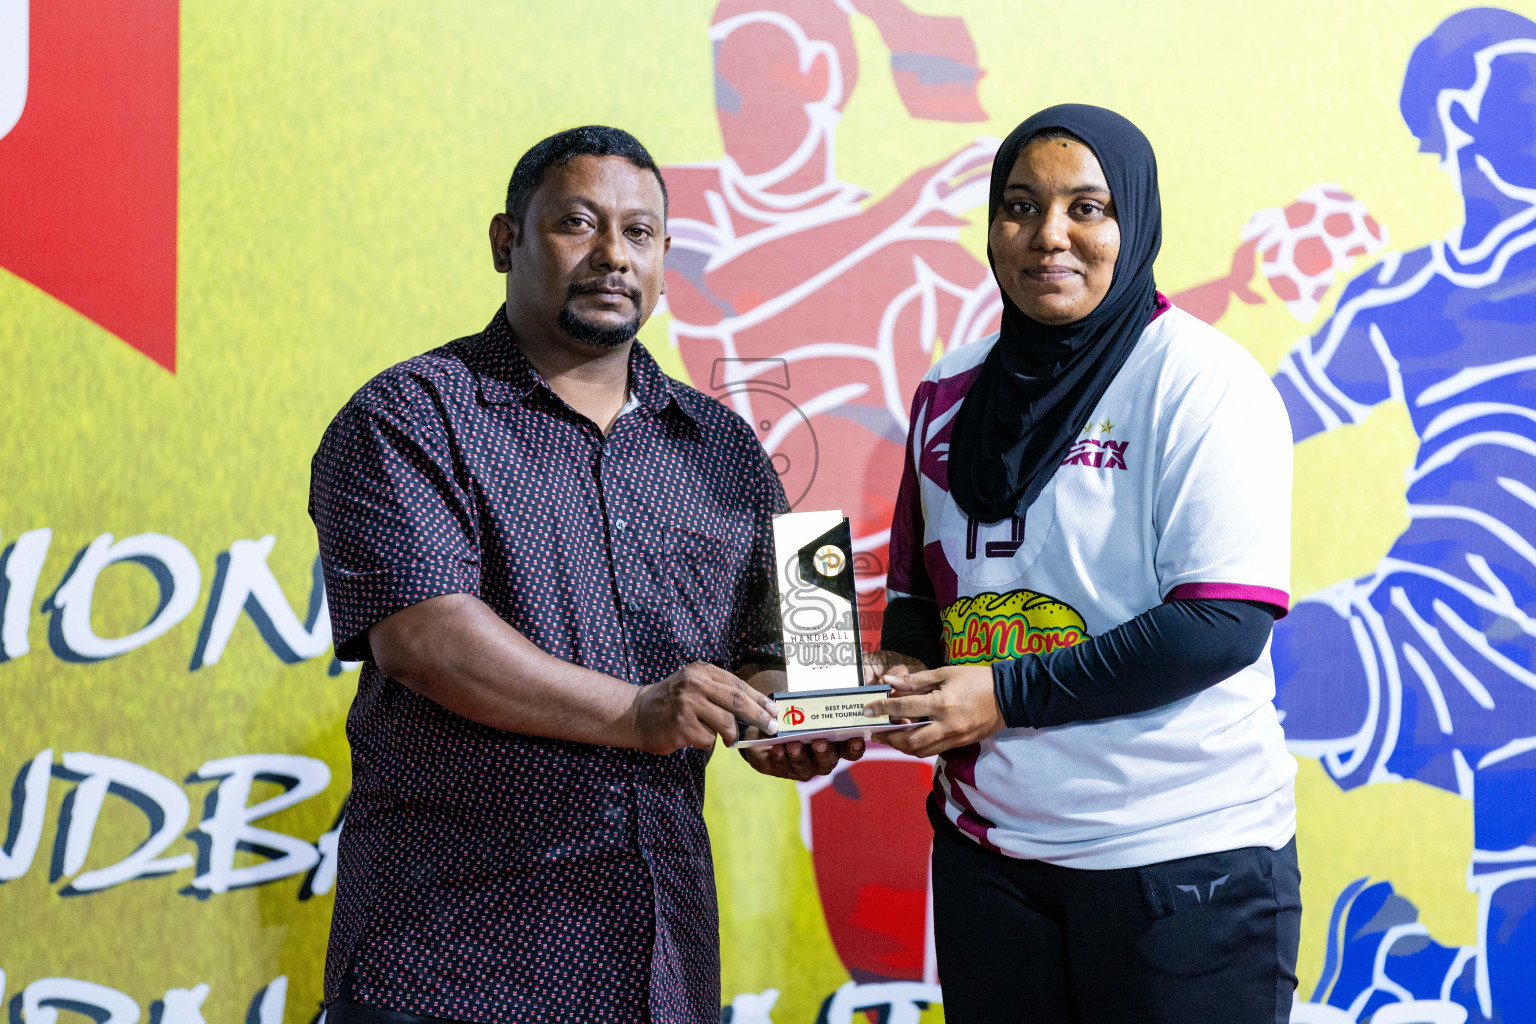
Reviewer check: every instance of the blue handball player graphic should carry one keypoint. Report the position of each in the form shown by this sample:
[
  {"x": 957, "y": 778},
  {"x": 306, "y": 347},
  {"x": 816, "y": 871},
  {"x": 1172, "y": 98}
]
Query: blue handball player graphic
[{"x": 1426, "y": 669}]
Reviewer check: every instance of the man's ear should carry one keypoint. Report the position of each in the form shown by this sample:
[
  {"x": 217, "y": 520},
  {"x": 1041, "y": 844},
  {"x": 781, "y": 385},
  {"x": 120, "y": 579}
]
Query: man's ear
[
  {"x": 503, "y": 241},
  {"x": 666, "y": 247}
]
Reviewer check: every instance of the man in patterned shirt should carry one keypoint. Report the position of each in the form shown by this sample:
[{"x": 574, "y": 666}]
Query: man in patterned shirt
[{"x": 543, "y": 549}]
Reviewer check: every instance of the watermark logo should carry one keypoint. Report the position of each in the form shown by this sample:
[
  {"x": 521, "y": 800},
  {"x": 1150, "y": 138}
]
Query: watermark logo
[{"x": 758, "y": 389}]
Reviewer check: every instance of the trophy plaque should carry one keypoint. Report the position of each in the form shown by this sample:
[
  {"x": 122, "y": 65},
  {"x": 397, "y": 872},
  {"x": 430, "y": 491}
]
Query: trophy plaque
[{"x": 818, "y": 608}]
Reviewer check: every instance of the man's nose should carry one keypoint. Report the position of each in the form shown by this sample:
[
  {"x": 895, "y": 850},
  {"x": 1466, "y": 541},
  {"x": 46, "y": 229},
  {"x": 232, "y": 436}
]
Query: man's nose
[{"x": 610, "y": 252}]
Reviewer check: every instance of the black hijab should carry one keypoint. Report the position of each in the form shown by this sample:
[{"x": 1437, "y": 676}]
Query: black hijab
[{"x": 1040, "y": 383}]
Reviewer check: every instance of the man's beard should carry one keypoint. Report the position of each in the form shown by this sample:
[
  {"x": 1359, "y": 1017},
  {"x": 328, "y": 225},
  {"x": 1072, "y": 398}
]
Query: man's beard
[{"x": 596, "y": 334}]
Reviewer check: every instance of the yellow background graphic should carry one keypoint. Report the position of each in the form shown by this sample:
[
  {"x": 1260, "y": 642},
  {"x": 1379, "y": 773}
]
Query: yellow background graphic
[{"x": 339, "y": 164}]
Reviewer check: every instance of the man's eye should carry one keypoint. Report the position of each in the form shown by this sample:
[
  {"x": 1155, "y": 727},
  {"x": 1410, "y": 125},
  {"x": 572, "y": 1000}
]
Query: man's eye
[{"x": 639, "y": 232}]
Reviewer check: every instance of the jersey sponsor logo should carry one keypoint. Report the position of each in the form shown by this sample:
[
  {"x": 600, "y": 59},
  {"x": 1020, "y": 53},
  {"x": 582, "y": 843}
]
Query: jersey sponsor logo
[
  {"x": 1105, "y": 454},
  {"x": 991, "y": 627}
]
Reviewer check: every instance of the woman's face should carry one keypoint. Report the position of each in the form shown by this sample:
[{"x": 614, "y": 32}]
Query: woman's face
[{"x": 1055, "y": 237}]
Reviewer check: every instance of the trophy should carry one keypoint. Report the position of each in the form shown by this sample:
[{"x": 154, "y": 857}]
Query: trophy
[{"x": 818, "y": 609}]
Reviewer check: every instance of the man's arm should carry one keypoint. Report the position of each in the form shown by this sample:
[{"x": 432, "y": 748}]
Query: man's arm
[{"x": 454, "y": 650}]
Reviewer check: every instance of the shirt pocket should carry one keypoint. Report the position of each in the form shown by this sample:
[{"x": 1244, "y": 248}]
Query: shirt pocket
[
  {"x": 704, "y": 563},
  {"x": 1203, "y": 912}
]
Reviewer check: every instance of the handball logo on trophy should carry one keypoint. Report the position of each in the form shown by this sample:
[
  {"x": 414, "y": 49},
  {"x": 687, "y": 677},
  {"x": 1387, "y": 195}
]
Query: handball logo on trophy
[{"x": 829, "y": 561}]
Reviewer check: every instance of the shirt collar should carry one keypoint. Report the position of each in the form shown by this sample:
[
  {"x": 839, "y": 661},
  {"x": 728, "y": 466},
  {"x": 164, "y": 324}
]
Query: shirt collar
[{"x": 505, "y": 375}]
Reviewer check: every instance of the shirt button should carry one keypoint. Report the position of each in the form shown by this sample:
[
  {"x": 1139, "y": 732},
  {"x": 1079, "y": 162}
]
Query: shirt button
[
  {"x": 631, "y": 605},
  {"x": 619, "y": 524}
]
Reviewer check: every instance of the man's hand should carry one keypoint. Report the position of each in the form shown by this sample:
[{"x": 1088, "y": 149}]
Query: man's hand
[
  {"x": 878, "y": 664},
  {"x": 694, "y": 705},
  {"x": 958, "y": 699},
  {"x": 801, "y": 760}
]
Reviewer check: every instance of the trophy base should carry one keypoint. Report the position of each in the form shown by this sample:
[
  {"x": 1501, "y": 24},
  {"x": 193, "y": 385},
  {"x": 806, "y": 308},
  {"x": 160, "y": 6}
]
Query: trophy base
[{"x": 835, "y": 715}]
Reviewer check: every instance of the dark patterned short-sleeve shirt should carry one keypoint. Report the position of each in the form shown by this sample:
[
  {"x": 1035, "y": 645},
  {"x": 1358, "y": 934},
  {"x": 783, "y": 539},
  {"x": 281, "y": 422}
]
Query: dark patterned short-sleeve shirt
[{"x": 492, "y": 876}]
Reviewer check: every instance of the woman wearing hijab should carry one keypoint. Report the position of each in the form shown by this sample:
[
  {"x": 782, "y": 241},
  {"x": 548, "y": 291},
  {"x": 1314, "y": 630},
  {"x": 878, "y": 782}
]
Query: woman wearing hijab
[{"x": 1091, "y": 542}]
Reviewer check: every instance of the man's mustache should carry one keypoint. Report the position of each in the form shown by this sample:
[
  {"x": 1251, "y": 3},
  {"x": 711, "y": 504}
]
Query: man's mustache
[{"x": 610, "y": 284}]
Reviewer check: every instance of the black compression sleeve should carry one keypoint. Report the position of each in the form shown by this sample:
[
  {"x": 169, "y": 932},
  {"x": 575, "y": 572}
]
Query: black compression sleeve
[
  {"x": 911, "y": 627},
  {"x": 1164, "y": 654}
]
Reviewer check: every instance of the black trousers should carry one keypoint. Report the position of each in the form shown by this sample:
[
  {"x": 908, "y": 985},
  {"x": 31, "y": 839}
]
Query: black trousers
[{"x": 1203, "y": 940}]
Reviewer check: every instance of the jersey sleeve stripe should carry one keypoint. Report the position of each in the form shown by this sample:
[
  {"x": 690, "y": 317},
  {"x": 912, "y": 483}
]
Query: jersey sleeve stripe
[{"x": 1231, "y": 592}]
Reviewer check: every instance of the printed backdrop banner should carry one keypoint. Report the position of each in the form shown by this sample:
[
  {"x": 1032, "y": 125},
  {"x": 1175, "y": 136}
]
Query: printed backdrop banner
[{"x": 218, "y": 219}]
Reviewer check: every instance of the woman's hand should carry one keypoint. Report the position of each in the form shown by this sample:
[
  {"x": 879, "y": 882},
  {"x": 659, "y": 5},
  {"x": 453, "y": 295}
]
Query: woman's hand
[
  {"x": 879, "y": 664},
  {"x": 958, "y": 699}
]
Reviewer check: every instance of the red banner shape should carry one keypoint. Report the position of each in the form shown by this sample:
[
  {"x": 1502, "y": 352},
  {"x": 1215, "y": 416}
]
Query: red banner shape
[{"x": 88, "y": 174}]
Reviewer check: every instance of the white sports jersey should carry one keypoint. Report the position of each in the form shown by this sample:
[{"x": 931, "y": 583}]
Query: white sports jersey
[{"x": 1180, "y": 487}]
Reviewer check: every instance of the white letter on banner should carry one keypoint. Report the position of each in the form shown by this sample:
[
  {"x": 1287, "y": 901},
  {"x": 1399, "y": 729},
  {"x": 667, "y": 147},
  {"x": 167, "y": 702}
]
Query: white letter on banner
[
  {"x": 228, "y": 828},
  {"x": 23, "y": 564},
  {"x": 270, "y": 1002},
  {"x": 119, "y": 1008},
  {"x": 174, "y": 568},
  {"x": 15, "y": 42},
  {"x": 161, "y": 800},
  {"x": 324, "y": 877},
  {"x": 184, "y": 1005},
  {"x": 247, "y": 584},
  {"x": 29, "y": 802}
]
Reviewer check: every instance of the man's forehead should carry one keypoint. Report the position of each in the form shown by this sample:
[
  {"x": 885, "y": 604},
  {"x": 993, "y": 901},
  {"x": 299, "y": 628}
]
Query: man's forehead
[{"x": 601, "y": 179}]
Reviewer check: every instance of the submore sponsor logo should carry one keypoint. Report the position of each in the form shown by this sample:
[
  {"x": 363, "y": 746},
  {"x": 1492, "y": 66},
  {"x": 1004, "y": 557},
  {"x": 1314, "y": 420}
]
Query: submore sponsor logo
[{"x": 991, "y": 627}]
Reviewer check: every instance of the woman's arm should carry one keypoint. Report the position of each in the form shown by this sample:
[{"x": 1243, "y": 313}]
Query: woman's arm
[{"x": 1165, "y": 654}]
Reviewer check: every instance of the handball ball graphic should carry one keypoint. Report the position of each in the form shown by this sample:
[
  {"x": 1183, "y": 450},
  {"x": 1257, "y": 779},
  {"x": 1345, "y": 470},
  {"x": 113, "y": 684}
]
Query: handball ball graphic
[{"x": 1303, "y": 247}]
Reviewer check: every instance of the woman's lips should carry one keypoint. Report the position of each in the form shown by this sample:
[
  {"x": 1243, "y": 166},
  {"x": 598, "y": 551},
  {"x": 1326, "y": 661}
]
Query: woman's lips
[{"x": 1050, "y": 275}]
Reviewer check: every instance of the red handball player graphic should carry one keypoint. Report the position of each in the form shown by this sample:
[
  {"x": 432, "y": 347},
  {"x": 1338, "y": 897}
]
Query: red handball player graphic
[
  {"x": 1301, "y": 249},
  {"x": 812, "y": 313},
  {"x": 815, "y": 314}
]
